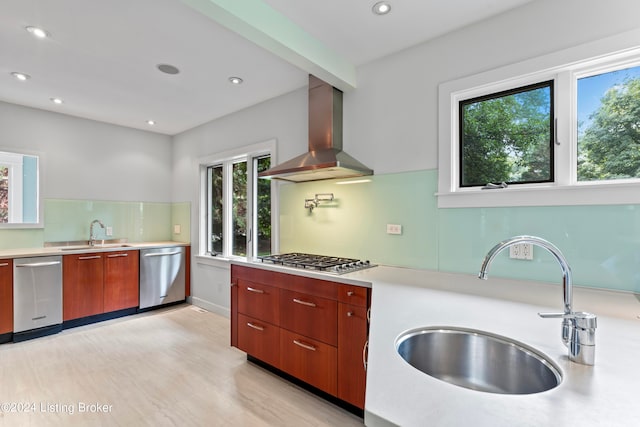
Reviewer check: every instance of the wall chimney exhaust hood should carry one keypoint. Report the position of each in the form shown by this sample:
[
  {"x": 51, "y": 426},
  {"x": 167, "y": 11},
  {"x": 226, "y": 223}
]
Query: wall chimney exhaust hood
[{"x": 325, "y": 158}]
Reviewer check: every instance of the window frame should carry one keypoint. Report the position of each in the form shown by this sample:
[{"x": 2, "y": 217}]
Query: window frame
[
  {"x": 564, "y": 67},
  {"x": 226, "y": 160}
]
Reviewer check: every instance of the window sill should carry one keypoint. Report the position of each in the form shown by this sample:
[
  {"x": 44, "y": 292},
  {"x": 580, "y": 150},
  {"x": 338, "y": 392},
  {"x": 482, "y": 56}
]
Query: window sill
[{"x": 581, "y": 194}]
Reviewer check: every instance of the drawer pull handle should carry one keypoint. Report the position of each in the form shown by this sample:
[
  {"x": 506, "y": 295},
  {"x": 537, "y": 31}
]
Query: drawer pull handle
[
  {"x": 82, "y": 258},
  {"x": 364, "y": 354},
  {"x": 4, "y": 264},
  {"x": 307, "y": 303},
  {"x": 251, "y": 325},
  {"x": 369, "y": 315},
  {"x": 303, "y": 345},
  {"x": 117, "y": 255},
  {"x": 257, "y": 291},
  {"x": 350, "y": 313},
  {"x": 350, "y": 293}
]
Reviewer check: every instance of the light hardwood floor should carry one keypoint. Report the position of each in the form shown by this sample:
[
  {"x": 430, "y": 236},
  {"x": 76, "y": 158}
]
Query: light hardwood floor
[{"x": 172, "y": 367}]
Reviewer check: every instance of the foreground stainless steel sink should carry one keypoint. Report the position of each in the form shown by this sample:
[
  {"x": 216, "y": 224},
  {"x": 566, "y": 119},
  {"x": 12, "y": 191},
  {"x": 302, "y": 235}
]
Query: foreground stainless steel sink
[{"x": 478, "y": 360}]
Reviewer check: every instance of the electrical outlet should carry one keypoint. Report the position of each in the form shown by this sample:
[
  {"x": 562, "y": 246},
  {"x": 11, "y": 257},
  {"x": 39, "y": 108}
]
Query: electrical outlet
[
  {"x": 394, "y": 229},
  {"x": 521, "y": 251},
  {"x": 109, "y": 231},
  {"x": 176, "y": 229}
]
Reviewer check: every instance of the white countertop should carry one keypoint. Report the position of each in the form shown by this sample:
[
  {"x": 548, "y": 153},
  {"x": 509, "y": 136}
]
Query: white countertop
[
  {"x": 404, "y": 299},
  {"x": 64, "y": 250}
]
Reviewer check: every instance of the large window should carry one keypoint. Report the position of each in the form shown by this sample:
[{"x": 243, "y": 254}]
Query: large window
[
  {"x": 543, "y": 133},
  {"x": 237, "y": 217}
]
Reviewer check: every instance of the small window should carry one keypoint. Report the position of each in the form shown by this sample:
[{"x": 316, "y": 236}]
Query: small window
[
  {"x": 263, "y": 205},
  {"x": 4, "y": 194},
  {"x": 609, "y": 125},
  {"x": 507, "y": 137},
  {"x": 216, "y": 206}
]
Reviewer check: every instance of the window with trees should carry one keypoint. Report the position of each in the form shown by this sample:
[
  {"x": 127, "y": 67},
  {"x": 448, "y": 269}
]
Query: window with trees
[
  {"x": 507, "y": 137},
  {"x": 238, "y": 206},
  {"x": 543, "y": 133}
]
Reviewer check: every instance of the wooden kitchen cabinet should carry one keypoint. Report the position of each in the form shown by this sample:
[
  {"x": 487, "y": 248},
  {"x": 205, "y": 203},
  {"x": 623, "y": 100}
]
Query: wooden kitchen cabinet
[
  {"x": 6, "y": 296},
  {"x": 99, "y": 282},
  {"x": 121, "y": 289},
  {"x": 352, "y": 346},
  {"x": 314, "y": 330},
  {"x": 309, "y": 360},
  {"x": 83, "y": 292}
]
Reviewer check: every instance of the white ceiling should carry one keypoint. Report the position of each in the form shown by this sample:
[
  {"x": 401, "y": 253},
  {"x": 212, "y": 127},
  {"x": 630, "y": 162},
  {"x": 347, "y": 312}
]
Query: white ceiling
[{"x": 101, "y": 57}]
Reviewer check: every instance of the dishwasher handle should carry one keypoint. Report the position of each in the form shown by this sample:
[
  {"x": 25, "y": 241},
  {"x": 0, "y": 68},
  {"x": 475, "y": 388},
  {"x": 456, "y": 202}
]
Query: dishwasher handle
[
  {"x": 163, "y": 253},
  {"x": 39, "y": 264}
]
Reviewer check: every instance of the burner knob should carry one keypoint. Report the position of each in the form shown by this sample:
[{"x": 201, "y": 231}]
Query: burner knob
[{"x": 367, "y": 262}]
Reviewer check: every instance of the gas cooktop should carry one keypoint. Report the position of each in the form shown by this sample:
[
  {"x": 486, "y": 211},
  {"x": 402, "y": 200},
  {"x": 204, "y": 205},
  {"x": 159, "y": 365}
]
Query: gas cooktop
[{"x": 327, "y": 264}]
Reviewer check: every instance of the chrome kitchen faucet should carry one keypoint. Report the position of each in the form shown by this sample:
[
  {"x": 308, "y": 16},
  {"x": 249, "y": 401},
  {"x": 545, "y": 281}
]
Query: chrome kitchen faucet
[
  {"x": 92, "y": 236},
  {"x": 578, "y": 328}
]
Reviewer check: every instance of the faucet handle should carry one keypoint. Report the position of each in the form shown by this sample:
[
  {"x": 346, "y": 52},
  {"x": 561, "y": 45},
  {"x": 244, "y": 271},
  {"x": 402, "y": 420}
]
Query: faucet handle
[{"x": 580, "y": 319}]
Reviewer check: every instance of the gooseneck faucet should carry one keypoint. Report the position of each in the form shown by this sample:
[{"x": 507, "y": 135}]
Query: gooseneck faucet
[
  {"x": 92, "y": 236},
  {"x": 578, "y": 328}
]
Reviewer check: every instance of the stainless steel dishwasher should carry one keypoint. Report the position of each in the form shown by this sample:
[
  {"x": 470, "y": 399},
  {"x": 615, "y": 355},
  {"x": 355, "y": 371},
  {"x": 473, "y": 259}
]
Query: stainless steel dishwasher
[
  {"x": 37, "y": 297},
  {"x": 162, "y": 276}
]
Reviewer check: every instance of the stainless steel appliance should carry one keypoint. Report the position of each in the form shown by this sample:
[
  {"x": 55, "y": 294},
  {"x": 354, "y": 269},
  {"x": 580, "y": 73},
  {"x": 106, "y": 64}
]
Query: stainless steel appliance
[
  {"x": 37, "y": 297},
  {"x": 327, "y": 264},
  {"x": 324, "y": 158},
  {"x": 162, "y": 276}
]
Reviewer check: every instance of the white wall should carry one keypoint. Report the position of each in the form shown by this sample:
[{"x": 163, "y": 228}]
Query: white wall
[
  {"x": 284, "y": 119},
  {"x": 86, "y": 159},
  {"x": 391, "y": 119}
]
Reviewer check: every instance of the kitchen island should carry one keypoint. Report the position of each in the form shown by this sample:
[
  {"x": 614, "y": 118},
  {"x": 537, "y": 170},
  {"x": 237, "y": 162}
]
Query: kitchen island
[{"x": 404, "y": 299}]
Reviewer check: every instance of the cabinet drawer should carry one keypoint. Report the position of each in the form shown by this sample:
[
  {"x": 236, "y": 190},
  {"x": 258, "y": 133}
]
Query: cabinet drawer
[
  {"x": 259, "y": 339},
  {"x": 309, "y": 315},
  {"x": 354, "y": 295},
  {"x": 309, "y": 360},
  {"x": 259, "y": 301}
]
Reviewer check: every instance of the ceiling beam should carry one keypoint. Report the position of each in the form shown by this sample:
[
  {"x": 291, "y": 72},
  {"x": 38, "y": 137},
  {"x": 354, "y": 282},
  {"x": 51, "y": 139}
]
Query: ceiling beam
[{"x": 258, "y": 22}]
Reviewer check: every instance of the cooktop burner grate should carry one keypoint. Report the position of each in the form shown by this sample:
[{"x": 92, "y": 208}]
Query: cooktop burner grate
[{"x": 329, "y": 264}]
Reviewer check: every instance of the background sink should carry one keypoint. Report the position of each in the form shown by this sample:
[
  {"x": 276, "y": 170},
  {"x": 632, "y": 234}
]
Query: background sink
[{"x": 478, "y": 360}]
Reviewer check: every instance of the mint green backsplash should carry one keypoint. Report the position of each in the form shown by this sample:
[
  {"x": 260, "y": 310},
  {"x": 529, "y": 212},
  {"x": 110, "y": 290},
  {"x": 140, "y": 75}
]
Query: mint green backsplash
[
  {"x": 69, "y": 220},
  {"x": 601, "y": 242},
  {"x": 354, "y": 224},
  {"x": 137, "y": 221}
]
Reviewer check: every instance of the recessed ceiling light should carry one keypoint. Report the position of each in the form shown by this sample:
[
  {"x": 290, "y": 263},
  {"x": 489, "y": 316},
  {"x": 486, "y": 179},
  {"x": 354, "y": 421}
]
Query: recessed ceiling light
[
  {"x": 57, "y": 101},
  {"x": 235, "y": 80},
  {"x": 381, "y": 8},
  {"x": 151, "y": 122},
  {"x": 168, "y": 68},
  {"x": 20, "y": 76},
  {"x": 38, "y": 32}
]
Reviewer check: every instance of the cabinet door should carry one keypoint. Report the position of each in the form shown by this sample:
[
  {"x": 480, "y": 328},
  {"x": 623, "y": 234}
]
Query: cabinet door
[
  {"x": 120, "y": 280},
  {"x": 6, "y": 296},
  {"x": 309, "y": 360},
  {"x": 352, "y": 338},
  {"x": 259, "y": 339},
  {"x": 82, "y": 279},
  {"x": 310, "y": 315}
]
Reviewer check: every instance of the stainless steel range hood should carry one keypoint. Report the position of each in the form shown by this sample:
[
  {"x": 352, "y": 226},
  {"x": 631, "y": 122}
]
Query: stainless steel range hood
[{"x": 325, "y": 158}]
